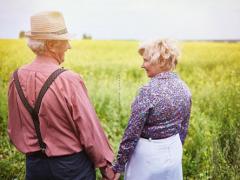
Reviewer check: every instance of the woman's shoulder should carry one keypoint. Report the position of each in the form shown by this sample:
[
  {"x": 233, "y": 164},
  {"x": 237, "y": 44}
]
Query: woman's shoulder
[
  {"x": 144, "y": 89},
  {"x": 185, "y": 87}
]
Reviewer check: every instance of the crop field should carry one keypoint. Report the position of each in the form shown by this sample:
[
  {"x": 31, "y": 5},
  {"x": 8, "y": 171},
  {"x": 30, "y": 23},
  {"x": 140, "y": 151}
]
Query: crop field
[{"x": 112, "y": 73}]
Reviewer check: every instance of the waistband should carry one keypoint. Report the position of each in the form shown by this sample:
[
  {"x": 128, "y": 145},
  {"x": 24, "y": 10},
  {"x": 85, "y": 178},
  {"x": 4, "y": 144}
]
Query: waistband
[
  {"x": 167, "y": 140},
  {"x": 40, "y": 154},
  {"x": 155, "y": 138}
]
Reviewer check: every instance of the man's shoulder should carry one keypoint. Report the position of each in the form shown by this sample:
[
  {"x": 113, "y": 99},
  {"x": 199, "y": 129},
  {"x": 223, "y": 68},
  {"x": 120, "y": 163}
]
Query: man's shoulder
[{"x": 72, "y": 76}]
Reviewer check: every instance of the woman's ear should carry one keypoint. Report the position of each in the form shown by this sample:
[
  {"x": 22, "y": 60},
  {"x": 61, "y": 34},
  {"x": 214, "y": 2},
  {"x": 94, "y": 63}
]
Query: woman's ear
[
  {"x": 160, "y": 44},
  {"x": 141, "y": 51}
]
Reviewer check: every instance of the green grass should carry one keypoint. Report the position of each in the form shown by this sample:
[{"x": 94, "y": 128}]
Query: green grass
[{"x": 111, "y": 70}]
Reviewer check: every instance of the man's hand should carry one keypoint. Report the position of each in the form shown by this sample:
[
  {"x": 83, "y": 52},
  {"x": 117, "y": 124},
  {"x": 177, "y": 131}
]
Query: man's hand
[{"x": 107, "y": 173}]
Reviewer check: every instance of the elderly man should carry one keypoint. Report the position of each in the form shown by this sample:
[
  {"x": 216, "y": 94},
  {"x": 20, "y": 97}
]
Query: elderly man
[{"x": 51, "y": 118}]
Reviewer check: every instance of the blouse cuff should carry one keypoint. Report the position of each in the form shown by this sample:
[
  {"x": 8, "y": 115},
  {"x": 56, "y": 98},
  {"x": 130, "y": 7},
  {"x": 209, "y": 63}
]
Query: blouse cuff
[{"x": 118, "y": 168}]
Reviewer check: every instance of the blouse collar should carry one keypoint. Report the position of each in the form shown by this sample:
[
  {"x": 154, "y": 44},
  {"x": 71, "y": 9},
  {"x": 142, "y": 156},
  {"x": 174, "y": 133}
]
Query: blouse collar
[{"x": 165, "y": 75}]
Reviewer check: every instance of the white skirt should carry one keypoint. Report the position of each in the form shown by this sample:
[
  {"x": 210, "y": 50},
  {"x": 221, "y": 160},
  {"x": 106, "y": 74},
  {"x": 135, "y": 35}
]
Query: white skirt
[{"x": 156, "y": 160}]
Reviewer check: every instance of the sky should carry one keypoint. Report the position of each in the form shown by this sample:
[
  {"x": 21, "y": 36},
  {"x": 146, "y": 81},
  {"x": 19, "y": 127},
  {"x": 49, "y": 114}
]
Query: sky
[{"x": 131, "y": 19}]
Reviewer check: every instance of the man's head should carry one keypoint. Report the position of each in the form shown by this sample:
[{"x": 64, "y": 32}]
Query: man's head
[
  {"x": 49, "y": 35},
  {"x": 52, "y": 48}
]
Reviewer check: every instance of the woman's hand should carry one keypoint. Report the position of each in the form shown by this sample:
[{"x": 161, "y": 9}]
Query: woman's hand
[{"x": 117, "y": 176}]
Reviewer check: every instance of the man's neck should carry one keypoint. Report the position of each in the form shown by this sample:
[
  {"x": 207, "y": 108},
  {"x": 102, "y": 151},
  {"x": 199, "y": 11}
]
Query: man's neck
[{"x": 47, "y": 59}]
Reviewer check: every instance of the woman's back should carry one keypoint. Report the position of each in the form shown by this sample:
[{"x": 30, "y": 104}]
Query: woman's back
[{"x": 170, "y": 101}]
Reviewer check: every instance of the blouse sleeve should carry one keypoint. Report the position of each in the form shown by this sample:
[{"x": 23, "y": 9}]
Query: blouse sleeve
[
  {"x": 185, "y": 123},
  {"x": 139, "y": 112}
]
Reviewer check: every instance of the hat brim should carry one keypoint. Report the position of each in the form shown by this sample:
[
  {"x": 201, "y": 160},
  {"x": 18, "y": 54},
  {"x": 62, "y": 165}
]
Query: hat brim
[{"x": 66, "y": 36}]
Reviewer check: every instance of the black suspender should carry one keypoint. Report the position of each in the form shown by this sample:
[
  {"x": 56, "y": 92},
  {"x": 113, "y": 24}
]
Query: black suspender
[{"x": 33, "y": 111}]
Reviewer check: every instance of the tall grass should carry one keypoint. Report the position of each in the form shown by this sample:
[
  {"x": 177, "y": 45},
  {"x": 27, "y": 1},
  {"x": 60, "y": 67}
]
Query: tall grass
[{"x": 111, "y": 70}]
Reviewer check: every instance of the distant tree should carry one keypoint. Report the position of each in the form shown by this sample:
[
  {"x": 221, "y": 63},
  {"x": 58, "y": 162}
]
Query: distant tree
[
  {"x": 21, "y": 34},
  {"x": 86, "y": 36}
]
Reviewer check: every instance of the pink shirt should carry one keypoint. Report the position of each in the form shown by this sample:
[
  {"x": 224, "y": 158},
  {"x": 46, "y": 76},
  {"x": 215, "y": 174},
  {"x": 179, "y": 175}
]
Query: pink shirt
[{"x": 68, "y": 121}]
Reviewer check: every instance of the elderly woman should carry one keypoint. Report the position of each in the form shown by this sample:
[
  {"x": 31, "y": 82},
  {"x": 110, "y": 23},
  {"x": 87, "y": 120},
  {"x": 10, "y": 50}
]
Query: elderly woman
[
  {"x": 51, "y": 119},
  {"x": 151, "y": 148}
]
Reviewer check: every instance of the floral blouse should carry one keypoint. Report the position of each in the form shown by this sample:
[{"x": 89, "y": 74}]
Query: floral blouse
[{"x": 161, "y": 109}]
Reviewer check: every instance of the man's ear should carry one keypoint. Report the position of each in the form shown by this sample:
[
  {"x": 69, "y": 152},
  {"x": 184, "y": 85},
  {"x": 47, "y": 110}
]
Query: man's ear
[{"x": 50, "y": 45}]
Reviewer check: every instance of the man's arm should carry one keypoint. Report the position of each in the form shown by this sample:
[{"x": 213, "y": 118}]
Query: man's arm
[{"x": 91, "y": 134}]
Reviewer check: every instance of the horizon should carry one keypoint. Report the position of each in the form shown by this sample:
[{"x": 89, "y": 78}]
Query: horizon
[{"x": 183, "y": 40}]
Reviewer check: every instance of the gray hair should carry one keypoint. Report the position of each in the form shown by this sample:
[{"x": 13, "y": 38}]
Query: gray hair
[
  {"x": 162, "y": 51},
  {"x": 37, "y": 46}
]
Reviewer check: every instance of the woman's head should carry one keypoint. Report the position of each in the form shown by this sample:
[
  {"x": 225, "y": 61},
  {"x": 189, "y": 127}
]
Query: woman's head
[
  {"x": 52, "y": 48},
  {"x": 159, "y": 56}
]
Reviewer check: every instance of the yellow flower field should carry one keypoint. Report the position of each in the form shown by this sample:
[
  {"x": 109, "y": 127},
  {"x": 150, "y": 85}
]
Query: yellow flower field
[{"x": 112, "y": 73}]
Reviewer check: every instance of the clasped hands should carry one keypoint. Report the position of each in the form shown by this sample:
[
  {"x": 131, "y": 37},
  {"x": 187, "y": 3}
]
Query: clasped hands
[{"x": 108, "y": 173}]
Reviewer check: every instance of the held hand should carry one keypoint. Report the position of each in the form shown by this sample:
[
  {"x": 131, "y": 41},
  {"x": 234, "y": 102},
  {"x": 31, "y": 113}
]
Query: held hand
[
  {"x": 108, "y": 178},
  {"x": 107, "y": 173},
  {"x": 117, "y": 176}
]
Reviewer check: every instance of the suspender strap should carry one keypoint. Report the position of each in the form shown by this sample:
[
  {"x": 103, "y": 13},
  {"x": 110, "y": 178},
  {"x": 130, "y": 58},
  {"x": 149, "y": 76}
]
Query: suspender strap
[
  {"x": 34, "y": 111},
  {"x": 45, "y": 87}
]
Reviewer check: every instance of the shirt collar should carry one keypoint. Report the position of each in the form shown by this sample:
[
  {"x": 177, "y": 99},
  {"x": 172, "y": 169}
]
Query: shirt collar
[
  {"x": 45, "y": 60},
  {"x": 42, "y": 64}
]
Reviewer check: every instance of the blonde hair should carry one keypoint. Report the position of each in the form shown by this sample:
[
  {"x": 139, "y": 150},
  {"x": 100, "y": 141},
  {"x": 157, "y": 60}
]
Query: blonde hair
[{"x": 162, "y": 51}]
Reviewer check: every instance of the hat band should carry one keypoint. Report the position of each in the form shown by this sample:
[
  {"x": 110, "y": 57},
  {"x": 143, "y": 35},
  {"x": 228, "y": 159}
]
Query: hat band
[{"x": 63, "y": 31}]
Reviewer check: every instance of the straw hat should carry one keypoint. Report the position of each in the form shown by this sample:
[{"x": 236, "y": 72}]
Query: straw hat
[{"x": 48, "y": 25}]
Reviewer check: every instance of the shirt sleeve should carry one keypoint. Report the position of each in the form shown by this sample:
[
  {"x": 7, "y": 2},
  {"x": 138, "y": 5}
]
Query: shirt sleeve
[
  {"x": 10, "y": 113},
  {"x": 139, "y": 112},
  {"x": 185, "y": 123},
  {"x": 91, "y": 134}
]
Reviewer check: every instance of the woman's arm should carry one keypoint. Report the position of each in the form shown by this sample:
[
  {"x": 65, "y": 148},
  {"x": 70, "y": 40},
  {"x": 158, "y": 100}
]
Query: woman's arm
[
  {"x": 139, "y": 113},
  {"x": 185, "y": 123}
]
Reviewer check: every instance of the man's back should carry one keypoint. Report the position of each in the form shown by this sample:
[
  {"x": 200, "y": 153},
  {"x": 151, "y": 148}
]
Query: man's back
[
  {"x": 71, "y": 132},
  {"x": 65, "y": 115}
]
